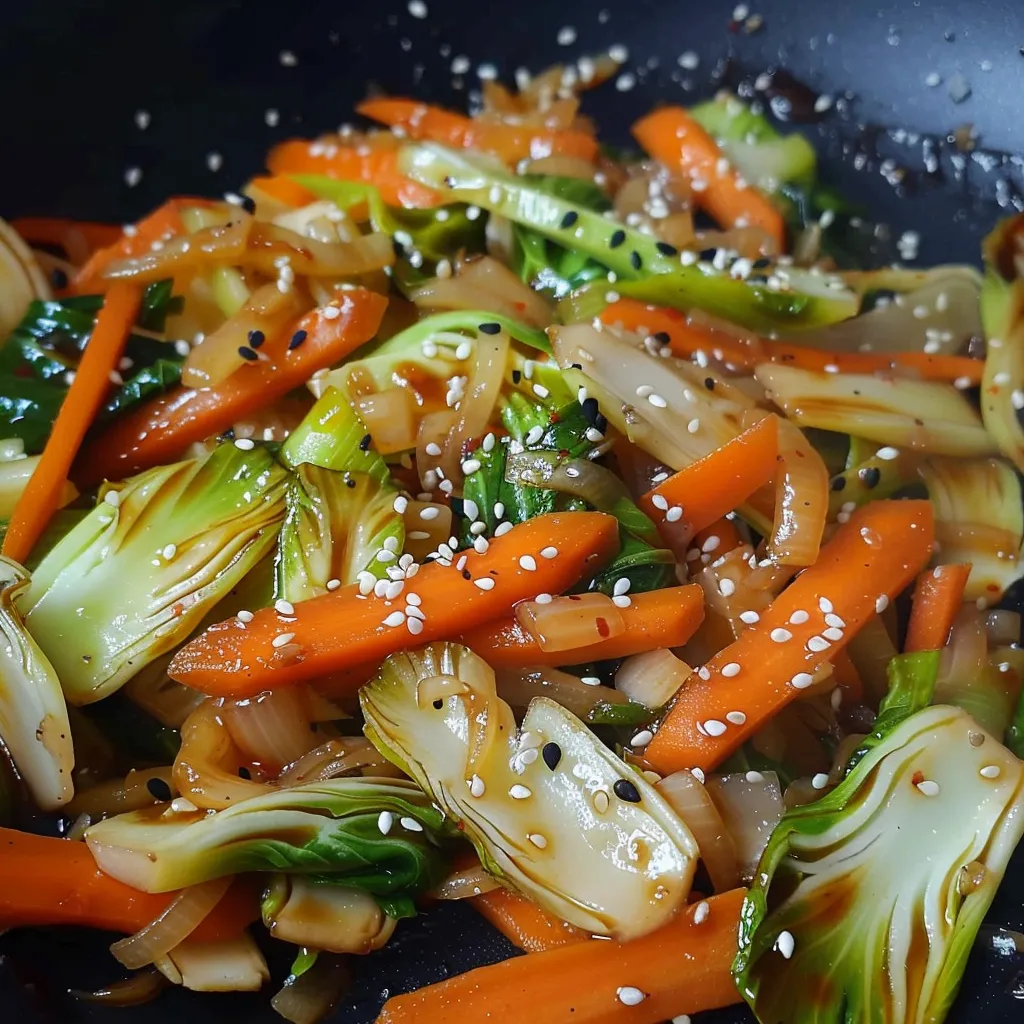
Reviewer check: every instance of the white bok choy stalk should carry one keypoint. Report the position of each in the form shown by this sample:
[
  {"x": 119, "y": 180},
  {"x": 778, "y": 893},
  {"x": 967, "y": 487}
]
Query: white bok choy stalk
[
  {"x": 922, "y": 415},
  {"x": 137, "y": 575},
  {"x": 551, "y": 810},
  {"x": 33, "y": 716}
]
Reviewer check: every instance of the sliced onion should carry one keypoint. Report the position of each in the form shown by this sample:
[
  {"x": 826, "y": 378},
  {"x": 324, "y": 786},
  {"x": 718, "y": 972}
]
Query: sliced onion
[
  {"x": 271, "y": 729},
  {"x": 391, "y": 416},
  {"x": 312, "y": 996},
  {"x": 175, "y": 924},
  {"x": 751, "y": 806},
  {"x": 226, "y": 965},
  {"x": 342, "y": 755},
  {"x": 579, "y": 477},
  {"x": 115, "y": 796},
  {"x": 518, "y": 686},
  {"x": 270, "y": 244},
  {"x": 652, "y": 678},
  {"x": 801, "y": 500},
  {"x": 1002, "y": 627},
  {"x": 690, "y": 800},
  {"x": 265, "y": 314},
  {"x": 323, "y": 221},
  {"x": 21, "y": 279},
  {"x": 464, "y": 883},
  {"x": 140, "y": 988},
  {"x": 565, "y": 623}
]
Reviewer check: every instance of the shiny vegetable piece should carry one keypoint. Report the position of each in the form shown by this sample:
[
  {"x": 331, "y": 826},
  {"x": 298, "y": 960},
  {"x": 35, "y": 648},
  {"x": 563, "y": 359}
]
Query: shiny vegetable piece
[
  {"x": 523, "y": 923},
  {"x": 343, "y": 630},
  {"x": 589, "y": 840},
  {"x": 140, "y": 571},
  {"x": 894, "y": 868},
  {"x": 21, "y": 279},
  {"x": 325, "y": 828},
  {"x": 922, "y": 415},
  {"x": 33, "y": 716},
  {"x": 661, "y": 278}
]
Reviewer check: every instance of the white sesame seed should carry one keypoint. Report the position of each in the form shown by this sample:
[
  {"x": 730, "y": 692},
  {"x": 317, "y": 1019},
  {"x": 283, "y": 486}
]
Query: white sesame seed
[
  {"x": 780, "y": 636},
  {"x": 430, "y": 512},
  {"x": 711, "y": 544},
  {"x": 713, "y": 727},
  {"x": 538, "y": 840},
  {"x": 887, "y": 454},
  {"x": 470, "y": 466},
  {"x": 528, "y": 562},
  {"x": 834, "y": 621},
  {"x": 132, "y": 176},
  {"x": 281, "y": 639},
  {"x": 476, "y": 786},
  {"x": 802, "y": 680},
  {"x": 824, "y": 604},
  {"x": 730, "y": 670},
  {"x": 642, "y": 738},
  {"x": 630, "y": 996},
  {"x": 622, "y": 600},
  {"x": 659, "y": 501},
  {"x": 502, "y": 528},
  {"x": 284, "y": 607},
  {"x": 990, "y": 771},
  {"x": 736, "y": 718},
  {"x": 484, "y": 583},
  {"x": 1001, "y": 378},
  {"x": 657, "y": 401},
  {"x": 881, "y": 603},
  {"x": 819, "y": 781},
  {"x": 417, "y": 8},
  {"x": 518, "y": 792},
  {"x": 674, "y": 514},
  {"x": 384, "y": 822},
  {"x": 818, "y": 644},
  {"x": 799, "y": 617},
  {"x": 169, "y": 551},
  {"x": 384, "y": 556},
  {"x": 726, "y": 587},
  {"x": 785, "y": 944},
  {"x": 749, "y": 617},
  {"x": 928, "y": 788},
  {"x": 244, "y": 616},
  {"x": 700, "y": 912},
  {"x": 401, "y": 503},
  {"x": 833, "y": 634},
  {"x": 245, "y": 444},
  {"x": 411, "y": 825},
  {"x": 396, "y": 618},
  {"x": 754, "y": 777}
]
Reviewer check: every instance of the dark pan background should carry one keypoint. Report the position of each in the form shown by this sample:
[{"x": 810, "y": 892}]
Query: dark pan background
[{"x": 75, "y": 73}]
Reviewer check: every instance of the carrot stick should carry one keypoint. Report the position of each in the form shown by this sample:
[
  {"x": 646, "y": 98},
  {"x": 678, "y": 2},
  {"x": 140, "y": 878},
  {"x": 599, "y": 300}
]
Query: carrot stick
[
  {"x": 871, "y": 557},
  {"x": 344, "y": 629},
  {"x": 161, "y": 430},
  {"x": 524, "y": 924},
  {"x": 672, "y": 137},
  {"x": 160, "y": 225},
  {"x": 77, "y": 239},
  {"x": 937, "y": 599},
  {"x": 683, "y": 967},
  {"x": 659, "y": 618},
  {"x": 685, "y": 338},
  {"x": 710, "y": 487},
  {"x": 511, "y": 142},
  {"x": 377, "y": 166},
  {"x": 283, "y": 189},
  {"x": 56, "y": 882},
  {"x": 42, "y": 495}
]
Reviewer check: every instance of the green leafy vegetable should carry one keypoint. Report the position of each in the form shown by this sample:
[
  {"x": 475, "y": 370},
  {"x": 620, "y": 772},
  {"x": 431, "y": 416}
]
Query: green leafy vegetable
[
  {"x": 138, "y": 573},
  {"x": 646, "y": 269},
  {"x": 380, "y": 836},
  {"x": 576, "y": 830},
  {"x": 866, "y": 902}
]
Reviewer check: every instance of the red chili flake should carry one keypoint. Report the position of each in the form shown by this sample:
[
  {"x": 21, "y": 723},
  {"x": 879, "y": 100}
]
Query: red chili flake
[
  {"x": 917, "y": 778},
  {"x": 602, "y": 628}
]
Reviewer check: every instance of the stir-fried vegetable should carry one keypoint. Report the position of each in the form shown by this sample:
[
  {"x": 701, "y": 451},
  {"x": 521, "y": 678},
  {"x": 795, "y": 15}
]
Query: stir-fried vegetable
[
  {"x": 844, "y": 881},
  {"x": 549, "y": 808}
]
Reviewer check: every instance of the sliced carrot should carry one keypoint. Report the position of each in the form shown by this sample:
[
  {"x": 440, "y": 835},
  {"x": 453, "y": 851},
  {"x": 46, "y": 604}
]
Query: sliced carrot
[
  {"x": 377, "y": 166},
  {"x": 77, "y": 239},
  {"x": 510, "y": 142},
  {"x": 710, "y": 487},
  {"x": 686, "y": 338},
  {"x": 682, "y": 968},
  {"x": 674, "y": 138},
  {"x": 938, "y": 597},
  {"x": 161, "y": 224},
  {"x": 659, "y": 618},
  {"x": 283, "y": 189},
  {"x": 345, "y": 629},
  {"x": 161, "y": 430},
  {"x": 870, "y": 558},
  {"x": 524, "y": 924},
  {"x": 42, "y": 495},
  {"x": 719, "y": 538},
  {"x": 58, "y": 883}
]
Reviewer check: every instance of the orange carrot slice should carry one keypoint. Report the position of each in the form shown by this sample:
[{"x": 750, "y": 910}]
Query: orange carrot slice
[
  {"x": 937, "y": 599},
  {"x": 524, "y": 924}
]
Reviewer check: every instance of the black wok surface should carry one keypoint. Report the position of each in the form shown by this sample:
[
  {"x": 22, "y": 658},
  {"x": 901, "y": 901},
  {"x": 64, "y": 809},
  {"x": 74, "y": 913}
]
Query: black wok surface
[{"x": 76, "y": 73}]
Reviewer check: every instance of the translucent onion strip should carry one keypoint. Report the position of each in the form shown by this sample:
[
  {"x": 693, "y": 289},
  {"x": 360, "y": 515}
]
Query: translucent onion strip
[
  {"x": 272, "y": 729},
  {"x": 750, "y": 805},
  {"x": 343, "y": 755},
  {"x": 312, "y": 996},
  {"x": 517, "y": 687},
  {"x": 689, "y": 799},
  {"x": 651, "y": 678},
  {"x": 181, "y": 918},
  {"x": 115, "y": 796},
  {"x": 464, "y": 883},
  {"x": 801, "y": 500}
]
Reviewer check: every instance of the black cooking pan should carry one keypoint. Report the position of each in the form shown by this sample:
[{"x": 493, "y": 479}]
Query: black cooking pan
[{"x": 927, "y": 111}]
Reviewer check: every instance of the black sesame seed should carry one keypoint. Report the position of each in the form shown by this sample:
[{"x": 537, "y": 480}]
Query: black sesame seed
[
  {"x": 552, "y": 754},
  {"x": 517, "y": 376},
  {"x": 243, "y": 772},
  {"x": 297, "y": 339},
  {"x": 364, "y": 443},
  {"x": 601, "y": 423},
  {"x": 349, "y": 482},
  {"x": 58, "y": 278},
  {"x": 438, "y": 703},
  {"x": 248, "y": 204},
  {"x": 491, "y": 328},
  {"x": 158, "y": 789},
  {"x": 757, "y": 279},
  {"x": 665, "y": 249},
  {"x": 256, "y": 338},
  {"x": 870, "y": 476},
  {"x": 247, "y": 353},
  {"x": 761, "y": 263},
  {"x": 590, "y": 410},
  {"x": 661, "y": 337},
  {"x": 625, "y": 790},
  {"x": 838, "y": 483},
  {"x": 466, "y": 574},
  {"x": 634, "y": 260},
  {"x": 708, "y": 254},
  {"x": 709, "y": 383},
  {"x": 569, "y": 219},
  {"x": 618, "y": 237}
]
